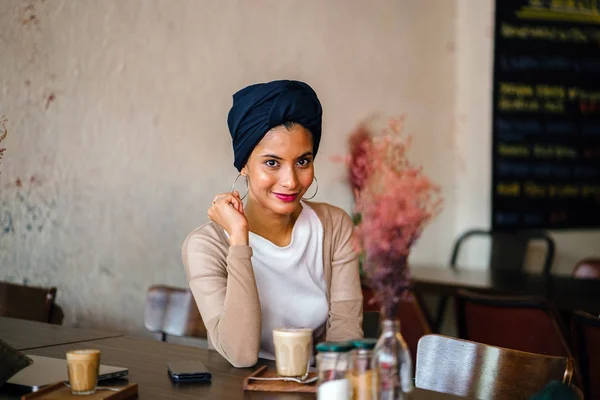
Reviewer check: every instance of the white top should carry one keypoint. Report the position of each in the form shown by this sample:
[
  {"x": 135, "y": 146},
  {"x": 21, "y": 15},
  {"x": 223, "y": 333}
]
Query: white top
[{"x": 290, "y": 280}]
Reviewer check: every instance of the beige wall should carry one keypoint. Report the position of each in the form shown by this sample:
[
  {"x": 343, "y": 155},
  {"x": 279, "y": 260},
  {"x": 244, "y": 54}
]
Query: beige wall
[{"x": 117, "y": 109}]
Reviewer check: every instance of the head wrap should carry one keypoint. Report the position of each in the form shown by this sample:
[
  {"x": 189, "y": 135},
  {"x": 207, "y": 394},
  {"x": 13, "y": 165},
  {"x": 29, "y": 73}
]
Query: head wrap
[{"x": 258, "y": 108}]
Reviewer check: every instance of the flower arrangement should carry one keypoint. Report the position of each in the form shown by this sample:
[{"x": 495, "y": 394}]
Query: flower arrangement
[
  {"x": 394, "y": 201},
  {"x": 3, "y": 134}
]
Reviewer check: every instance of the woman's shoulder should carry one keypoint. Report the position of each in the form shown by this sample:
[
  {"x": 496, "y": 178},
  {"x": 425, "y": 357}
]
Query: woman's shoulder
[
  {"x": 330, "y": 214},
  {"x": 207, "y": 236}
]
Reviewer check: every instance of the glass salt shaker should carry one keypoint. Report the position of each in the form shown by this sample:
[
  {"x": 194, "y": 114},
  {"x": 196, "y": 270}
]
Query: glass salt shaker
[
  {"x": 361, "y": 372},
  {"x": 333, "y": 366}
]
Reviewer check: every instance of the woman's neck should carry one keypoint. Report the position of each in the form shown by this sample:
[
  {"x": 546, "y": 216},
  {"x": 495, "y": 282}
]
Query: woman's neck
[{"x": 276, "y": 228}]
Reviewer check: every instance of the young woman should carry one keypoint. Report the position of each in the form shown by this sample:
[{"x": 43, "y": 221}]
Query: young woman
[{"x": 278, "y": 260}]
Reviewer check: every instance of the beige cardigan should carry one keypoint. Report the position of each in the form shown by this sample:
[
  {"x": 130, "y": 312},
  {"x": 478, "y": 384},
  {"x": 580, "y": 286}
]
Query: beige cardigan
[{"x": 221, "y": 279}]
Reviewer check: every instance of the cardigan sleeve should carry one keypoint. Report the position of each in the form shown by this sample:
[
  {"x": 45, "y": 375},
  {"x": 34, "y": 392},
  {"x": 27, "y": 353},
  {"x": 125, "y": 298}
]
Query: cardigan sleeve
[
  {"x": 346, "y": 300},
  {"x": 222, "y": 281}
]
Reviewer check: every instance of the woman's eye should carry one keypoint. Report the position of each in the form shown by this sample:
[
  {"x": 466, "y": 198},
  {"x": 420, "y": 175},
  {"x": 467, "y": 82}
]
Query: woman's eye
[
  {"x": 272, "y": 163},
  {"x": 303, "y": 162}
]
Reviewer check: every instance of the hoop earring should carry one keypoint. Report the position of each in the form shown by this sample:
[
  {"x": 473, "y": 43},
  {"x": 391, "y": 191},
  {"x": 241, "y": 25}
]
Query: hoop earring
[
  {"x": 233, "y": 186},
  {"x": 316, "y": 191}
]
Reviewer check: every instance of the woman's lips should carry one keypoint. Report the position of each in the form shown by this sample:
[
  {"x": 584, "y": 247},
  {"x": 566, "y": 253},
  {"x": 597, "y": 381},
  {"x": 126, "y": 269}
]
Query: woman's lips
[{"x": 288, "y": 198}]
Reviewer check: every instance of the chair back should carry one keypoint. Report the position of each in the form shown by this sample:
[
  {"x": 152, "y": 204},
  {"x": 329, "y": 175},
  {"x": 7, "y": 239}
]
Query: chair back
[
  {"x": 508, "y": 252},
  {"x": 26, "y": 302},
  {"x": 173, "y": 311},
  {"x": 518, "y": 323},
  {"x": 586, "y": 334},
  {"x": 475, "y": 370},
  {"x": 588, "y": 268},
  {"x": 414, "y": 321},
  {"x": 371, "y": 324},
  {"x": 509, "y": 249}
]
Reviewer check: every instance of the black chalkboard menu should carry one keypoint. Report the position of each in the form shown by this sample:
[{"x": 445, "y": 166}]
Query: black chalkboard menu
[{"x": 546, "y": 115}]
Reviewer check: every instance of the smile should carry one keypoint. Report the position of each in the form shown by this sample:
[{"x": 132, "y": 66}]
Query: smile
[{"x": 288, "y": 198}]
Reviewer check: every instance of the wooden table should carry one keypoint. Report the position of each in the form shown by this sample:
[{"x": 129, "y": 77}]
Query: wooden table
[
  {"x": 565, "y": 292},
  {"x": 147, "y": 362},
  {"x": 23, "y": 335}
]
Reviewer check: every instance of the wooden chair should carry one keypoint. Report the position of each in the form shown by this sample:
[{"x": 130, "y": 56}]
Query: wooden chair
[
  {"x": 588, "y": 268},
  {"x": 172, "y": 311},
  {"x": 476, "y": 370},
  {"x": 414, "y": 321},
  {"x": 29, "y": 302},
  {"x": 508, "y": 251},
  {"x": 518, "y": 323},
  {"x": 586, "y": 334}
]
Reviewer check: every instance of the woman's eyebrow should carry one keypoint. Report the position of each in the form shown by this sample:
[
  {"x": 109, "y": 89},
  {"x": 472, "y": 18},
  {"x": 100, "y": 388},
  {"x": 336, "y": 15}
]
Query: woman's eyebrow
[
  {"x": 272, "y": 156},
  {"x": 308, "y": 153}
]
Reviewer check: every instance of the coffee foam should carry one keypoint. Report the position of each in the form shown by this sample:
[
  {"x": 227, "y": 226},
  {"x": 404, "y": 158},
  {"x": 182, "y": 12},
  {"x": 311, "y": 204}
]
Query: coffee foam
[
  {"x": 83, "y": 352},
  {"x": 292, "y": 331}
]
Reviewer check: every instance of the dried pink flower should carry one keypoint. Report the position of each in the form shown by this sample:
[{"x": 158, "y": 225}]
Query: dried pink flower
[
  {"x": 395, "y": 201},
  {"x": 359, "y": 166}
]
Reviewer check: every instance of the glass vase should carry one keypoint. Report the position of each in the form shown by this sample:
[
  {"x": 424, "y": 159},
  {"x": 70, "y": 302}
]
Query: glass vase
[{"x": 391, "y": 363}]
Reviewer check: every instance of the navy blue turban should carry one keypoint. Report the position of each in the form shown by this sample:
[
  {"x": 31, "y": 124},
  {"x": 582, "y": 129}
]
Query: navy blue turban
[{"x": 258, "y": 108}]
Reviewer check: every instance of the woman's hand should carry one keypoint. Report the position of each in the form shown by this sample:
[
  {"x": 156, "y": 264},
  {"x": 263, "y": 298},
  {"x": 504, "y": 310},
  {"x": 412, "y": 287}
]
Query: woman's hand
[{"x": 227, "y": 211}]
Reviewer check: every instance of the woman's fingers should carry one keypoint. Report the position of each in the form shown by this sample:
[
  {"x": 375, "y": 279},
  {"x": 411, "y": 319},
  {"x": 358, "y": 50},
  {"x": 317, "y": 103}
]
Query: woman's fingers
[
  {"x": 237, "y": 204},
  {"x": 232, "y": 199},
  {"x": 227, "y": 211},
  {"x": 219, "y": 197}
]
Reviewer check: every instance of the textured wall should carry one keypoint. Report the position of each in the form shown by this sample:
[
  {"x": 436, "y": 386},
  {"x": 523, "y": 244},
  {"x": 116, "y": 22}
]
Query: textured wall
[{"x": 117, "y": 124}]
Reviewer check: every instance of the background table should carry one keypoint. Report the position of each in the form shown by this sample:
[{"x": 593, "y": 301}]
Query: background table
[
  {"x": 23, "y": 335},
  {"x": 565, "y": 292}
]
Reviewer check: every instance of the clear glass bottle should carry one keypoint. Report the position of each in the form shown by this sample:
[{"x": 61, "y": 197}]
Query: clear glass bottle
[
  {"x": 361, "y": 372},
  {"x": 333, "y": 371},
  {"x": 392, "y": 364}
]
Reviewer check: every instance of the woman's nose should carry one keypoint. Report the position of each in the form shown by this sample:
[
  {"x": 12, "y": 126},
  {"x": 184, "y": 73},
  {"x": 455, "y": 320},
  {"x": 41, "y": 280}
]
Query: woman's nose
[{"x": 289, "y": 180}]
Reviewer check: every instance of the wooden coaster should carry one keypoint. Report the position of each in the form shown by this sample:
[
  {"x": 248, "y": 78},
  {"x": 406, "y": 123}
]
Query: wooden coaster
[{"x": 277, "y": 386}]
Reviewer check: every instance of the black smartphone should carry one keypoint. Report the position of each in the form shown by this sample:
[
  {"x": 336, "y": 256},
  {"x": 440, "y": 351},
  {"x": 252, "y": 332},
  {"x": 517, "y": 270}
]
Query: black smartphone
[{"x": 188, "y": 371}]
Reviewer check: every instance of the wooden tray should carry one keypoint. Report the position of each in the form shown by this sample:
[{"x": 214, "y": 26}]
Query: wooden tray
[
  {"x": 277, "y": 386},
  {"x": 60, "y": 391}
]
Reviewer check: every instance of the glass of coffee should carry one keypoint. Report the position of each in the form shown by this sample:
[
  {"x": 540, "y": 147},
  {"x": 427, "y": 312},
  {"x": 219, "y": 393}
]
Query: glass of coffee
[
  {"x": 293, "y": 348},
  {"x": 83, "y": 367}
]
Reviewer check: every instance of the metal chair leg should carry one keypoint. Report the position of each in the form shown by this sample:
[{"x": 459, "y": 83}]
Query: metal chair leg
[{"x": 440, "y": 312}]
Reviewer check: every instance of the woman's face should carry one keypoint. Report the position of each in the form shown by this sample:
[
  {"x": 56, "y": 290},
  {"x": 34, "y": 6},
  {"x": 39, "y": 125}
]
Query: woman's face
[{"x": 280, "y": 169}]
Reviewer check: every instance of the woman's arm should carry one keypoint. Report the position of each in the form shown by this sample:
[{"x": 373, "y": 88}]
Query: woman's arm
[
  {"x": 222, "y": 282},
  {"x": 346, "y": 309}
]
